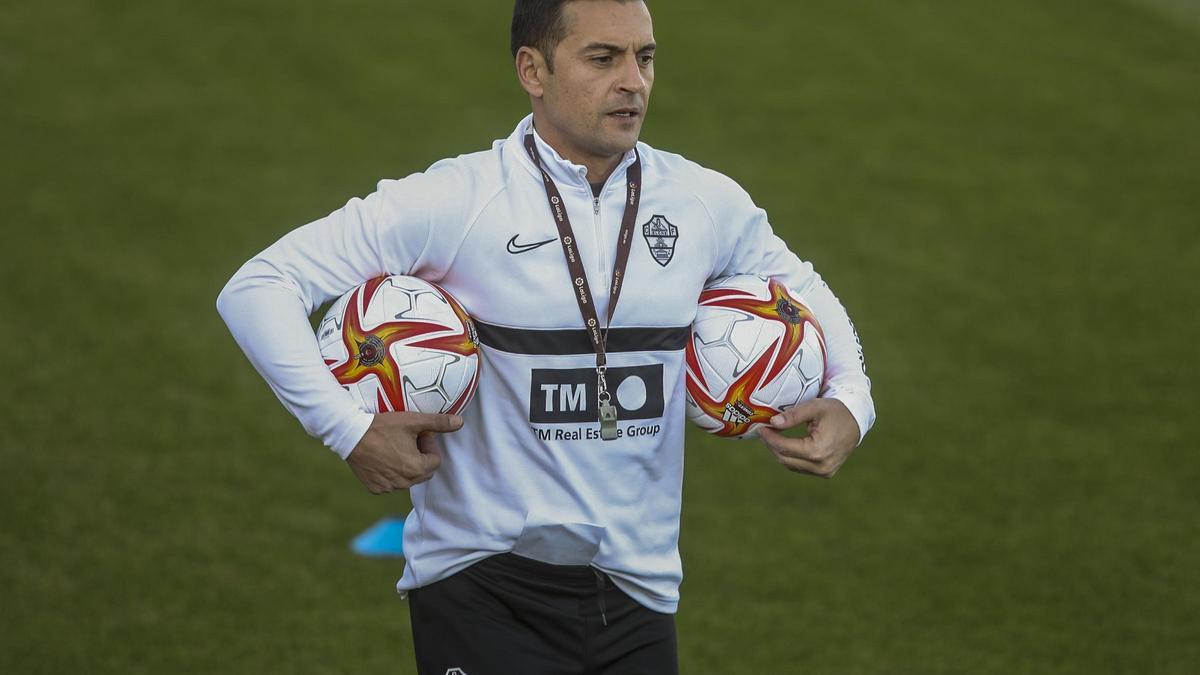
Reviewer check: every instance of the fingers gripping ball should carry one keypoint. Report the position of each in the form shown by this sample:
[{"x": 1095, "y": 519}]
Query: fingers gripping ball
[
  {"x": 399, "y": 343},
  {"x": 756, "y": 350}
]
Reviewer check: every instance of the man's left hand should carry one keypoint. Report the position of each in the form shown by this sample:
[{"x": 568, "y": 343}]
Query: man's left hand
[{"x": 832, "y": 436}]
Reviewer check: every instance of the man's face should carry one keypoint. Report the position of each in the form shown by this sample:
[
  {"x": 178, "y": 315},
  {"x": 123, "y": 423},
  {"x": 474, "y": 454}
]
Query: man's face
[{"x": 598, "y": 94}]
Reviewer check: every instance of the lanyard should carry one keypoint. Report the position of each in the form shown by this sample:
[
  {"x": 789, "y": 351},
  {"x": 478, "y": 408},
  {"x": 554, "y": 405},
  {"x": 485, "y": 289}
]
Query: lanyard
[{"x": 582, "y": 291}]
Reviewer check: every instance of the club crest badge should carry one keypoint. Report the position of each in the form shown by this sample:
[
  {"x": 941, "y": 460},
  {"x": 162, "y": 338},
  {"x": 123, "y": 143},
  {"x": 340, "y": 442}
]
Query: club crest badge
[{"x": 660, "y": 237}]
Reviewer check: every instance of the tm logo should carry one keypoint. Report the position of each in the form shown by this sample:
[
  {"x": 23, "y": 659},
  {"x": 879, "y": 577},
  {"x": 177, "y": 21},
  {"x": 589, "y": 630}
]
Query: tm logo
[{"x": 568, "y": 396}]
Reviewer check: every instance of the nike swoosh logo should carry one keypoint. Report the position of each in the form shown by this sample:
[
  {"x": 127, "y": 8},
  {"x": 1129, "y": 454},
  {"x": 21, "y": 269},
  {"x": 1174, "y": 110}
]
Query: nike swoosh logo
[{"x": 514, "y": 247}]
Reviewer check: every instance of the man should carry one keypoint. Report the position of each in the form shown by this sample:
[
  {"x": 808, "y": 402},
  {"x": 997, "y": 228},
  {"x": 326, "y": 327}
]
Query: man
[{"x": 534, "y": 546}]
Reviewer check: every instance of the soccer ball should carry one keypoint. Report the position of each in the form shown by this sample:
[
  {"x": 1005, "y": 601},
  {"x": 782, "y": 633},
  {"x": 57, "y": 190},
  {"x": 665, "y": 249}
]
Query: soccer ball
[
  {"x": 400, "y": 343},
  {"x": 755, "y": 351}
]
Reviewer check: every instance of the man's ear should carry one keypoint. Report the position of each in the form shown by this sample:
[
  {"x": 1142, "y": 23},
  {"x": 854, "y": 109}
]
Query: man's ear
[{"x": 531, "y": 71}]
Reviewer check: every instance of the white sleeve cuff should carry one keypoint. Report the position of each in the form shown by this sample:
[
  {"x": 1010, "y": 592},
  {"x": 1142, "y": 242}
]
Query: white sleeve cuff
[
  {"x": 860, "y": 405},
  {"x": 347, "y": 435}
]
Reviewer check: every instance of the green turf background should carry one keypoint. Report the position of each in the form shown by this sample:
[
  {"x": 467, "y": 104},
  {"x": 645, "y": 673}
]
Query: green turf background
[{"x": 1005, "y": 196}]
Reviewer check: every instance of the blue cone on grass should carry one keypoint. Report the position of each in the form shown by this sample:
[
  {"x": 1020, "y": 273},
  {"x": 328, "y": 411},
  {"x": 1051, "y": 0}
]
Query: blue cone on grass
[{"x": 384, "y": 539}]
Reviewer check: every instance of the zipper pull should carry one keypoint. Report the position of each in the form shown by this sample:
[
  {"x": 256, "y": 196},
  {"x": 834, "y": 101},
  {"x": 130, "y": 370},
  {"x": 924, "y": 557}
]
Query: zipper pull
[{"x": 596, "y": 206}]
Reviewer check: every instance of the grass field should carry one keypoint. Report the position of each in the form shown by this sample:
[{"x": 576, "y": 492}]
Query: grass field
[{"x": 1005, "y": 195}]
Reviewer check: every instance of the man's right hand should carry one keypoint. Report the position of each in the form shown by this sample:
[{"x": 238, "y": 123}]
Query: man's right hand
[{"x": 400, "y": 449}]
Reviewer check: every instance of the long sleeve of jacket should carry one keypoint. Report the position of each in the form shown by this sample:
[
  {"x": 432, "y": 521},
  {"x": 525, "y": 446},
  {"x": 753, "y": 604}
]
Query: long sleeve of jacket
[
  {"x": 407, "y": 226},
  {"x": 754, "y": 248}
]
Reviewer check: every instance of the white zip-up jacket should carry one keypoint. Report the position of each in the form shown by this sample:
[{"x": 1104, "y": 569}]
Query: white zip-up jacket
[{"x": 527, "y": 472}]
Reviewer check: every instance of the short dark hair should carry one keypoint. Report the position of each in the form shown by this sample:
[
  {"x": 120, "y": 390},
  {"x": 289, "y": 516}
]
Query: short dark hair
[{"x": 540, "y": 24}]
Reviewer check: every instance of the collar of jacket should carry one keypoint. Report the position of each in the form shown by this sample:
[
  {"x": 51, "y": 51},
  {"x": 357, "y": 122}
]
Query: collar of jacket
[{"x": 564, "y": 172}]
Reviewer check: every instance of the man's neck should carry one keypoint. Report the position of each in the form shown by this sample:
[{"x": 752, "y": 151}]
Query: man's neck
[{"x": 598, "y": 168}]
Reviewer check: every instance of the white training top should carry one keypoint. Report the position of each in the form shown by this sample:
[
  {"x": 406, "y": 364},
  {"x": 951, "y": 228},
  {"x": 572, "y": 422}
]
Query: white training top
[{"x": 527, "y": 472}]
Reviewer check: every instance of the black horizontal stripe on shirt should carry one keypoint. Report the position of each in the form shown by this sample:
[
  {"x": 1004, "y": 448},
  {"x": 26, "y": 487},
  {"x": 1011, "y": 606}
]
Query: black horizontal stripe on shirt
[{"x": 564, "y": 342}]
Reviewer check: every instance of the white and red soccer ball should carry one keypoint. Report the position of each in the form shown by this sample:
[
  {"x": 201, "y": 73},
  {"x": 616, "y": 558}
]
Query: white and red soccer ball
[
  {"x": 400, "y": 343},
  {"x": 755, "y": 350}
]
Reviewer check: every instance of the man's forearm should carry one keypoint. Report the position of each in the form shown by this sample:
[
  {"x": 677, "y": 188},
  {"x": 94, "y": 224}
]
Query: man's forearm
[{"x": 269, "y": 322}]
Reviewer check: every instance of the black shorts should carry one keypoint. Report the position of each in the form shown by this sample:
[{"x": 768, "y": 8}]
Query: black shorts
[{"x": 511, "y": 615}]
